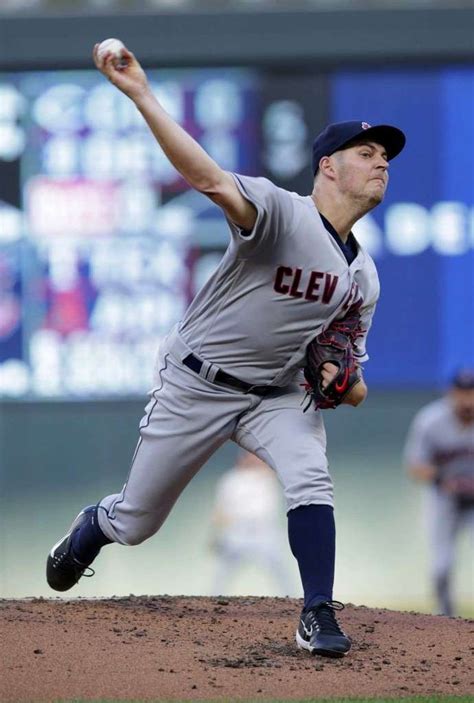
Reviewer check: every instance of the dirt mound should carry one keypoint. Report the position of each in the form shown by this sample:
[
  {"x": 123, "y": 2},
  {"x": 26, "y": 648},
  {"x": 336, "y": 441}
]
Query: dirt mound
[{"x": 220, "y": 648}]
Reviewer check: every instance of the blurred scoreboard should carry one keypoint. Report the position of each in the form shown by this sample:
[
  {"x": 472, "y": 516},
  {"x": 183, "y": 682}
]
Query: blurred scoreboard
[
  {"x": 98, "y": 254},
  {"x": 103, "y": 245}
]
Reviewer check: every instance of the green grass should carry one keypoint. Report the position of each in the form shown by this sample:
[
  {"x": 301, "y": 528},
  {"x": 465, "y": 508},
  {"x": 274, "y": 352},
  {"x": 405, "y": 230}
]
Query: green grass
[{"x": 417, "y": 699}]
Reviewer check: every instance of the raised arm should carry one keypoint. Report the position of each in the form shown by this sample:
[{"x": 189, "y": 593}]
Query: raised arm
[{"x": 187, "y": 156}]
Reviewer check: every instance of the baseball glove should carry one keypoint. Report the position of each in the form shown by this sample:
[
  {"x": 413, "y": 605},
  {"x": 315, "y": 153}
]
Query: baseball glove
[{"x": 334, "y": 345}]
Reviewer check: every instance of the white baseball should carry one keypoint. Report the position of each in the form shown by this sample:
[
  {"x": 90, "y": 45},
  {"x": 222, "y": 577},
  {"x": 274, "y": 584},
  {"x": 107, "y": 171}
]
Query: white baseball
[{"x": 114, "y": 46}]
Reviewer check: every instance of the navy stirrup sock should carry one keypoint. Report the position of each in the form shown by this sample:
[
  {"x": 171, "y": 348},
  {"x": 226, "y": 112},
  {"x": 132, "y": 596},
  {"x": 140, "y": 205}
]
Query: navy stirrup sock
[
  {"x": 312, "y": 536},
  {"x": 88, "y": 540}
]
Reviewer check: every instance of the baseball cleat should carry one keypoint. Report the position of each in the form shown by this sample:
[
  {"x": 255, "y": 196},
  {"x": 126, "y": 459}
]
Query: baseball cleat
[
  {"x": 63, "y": 570},
  {"x": 319, "y": 632}
]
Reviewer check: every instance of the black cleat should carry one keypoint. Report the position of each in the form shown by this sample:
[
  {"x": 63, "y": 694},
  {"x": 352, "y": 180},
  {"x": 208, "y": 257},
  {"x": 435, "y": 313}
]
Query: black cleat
[
  {"x": 63, "y": 571},
  {"x": 319, "y": 632}
]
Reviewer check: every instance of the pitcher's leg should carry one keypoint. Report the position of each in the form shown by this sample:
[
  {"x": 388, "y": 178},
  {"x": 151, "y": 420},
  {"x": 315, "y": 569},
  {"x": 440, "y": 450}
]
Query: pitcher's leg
[
  {"x": 294, "y": 444},
  {"x": 312, "y": 537},
  {"x": 165, "y": 461},
  {"x": 183, "y": 425}
]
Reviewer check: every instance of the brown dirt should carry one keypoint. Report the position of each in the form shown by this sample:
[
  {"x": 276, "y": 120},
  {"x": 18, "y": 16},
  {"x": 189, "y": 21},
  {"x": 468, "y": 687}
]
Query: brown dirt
[{"x": 214, "y": 648}]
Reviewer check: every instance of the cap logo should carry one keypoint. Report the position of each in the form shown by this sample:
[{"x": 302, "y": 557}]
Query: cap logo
[{"x": 365, "y": 125}]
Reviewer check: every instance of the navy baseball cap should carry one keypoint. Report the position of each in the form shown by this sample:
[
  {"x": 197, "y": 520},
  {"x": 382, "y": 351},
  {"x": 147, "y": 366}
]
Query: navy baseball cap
[
  {"x": 338, "y": 135},
  {"x": 463, "y": 379}
]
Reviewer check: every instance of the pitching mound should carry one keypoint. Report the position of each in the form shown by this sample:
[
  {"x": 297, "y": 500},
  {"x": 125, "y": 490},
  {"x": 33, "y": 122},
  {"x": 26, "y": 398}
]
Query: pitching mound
[{"x": 216, "y": 648}]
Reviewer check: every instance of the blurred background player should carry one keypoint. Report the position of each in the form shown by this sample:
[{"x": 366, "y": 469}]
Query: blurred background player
[
  {"x": 245, "y": 524},
  {"x": 440, "y": 453}
]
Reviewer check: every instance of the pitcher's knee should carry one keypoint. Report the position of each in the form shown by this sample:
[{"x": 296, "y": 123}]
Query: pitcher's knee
[{"x": 132, "y": 538}]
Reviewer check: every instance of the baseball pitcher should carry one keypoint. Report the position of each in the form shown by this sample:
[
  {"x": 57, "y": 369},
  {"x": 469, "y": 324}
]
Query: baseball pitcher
[{"x": 277, "y": 334}]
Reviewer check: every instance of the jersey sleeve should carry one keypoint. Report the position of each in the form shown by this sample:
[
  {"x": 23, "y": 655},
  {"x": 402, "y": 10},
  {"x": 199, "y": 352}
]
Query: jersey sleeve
[
  {"x": 371, "y": 296},
  {"x": 419, "y": 446},
  {"x": 360, "y": 345},
  {"x": 274, "y": 212}
]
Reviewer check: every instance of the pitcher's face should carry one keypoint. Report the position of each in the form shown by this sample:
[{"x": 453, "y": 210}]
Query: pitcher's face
[{"x": 362, "y": 172}]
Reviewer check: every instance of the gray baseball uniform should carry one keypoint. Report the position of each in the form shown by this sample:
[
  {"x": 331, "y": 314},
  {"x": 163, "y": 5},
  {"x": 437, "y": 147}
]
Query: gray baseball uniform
[
  {"x": 437, "y": 438},
  {"x": 232, "y": 368},
  {"x": 275, "y": 289}
]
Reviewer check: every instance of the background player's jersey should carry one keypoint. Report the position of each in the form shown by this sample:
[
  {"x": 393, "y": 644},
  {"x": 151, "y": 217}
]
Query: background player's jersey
[
  {"x": 276, "y": 288},
  {"x": 248, "y": 501},
  {"x": 437, "y": 438}
]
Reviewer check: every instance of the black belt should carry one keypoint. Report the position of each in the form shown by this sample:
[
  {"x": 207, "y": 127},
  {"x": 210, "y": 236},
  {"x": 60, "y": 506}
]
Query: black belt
[{"x": 195, "y": 364}]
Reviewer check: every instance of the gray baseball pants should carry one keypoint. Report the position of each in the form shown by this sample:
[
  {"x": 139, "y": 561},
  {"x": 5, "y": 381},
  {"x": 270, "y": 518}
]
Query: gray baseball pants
[{"x": 187, "y": 419}]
